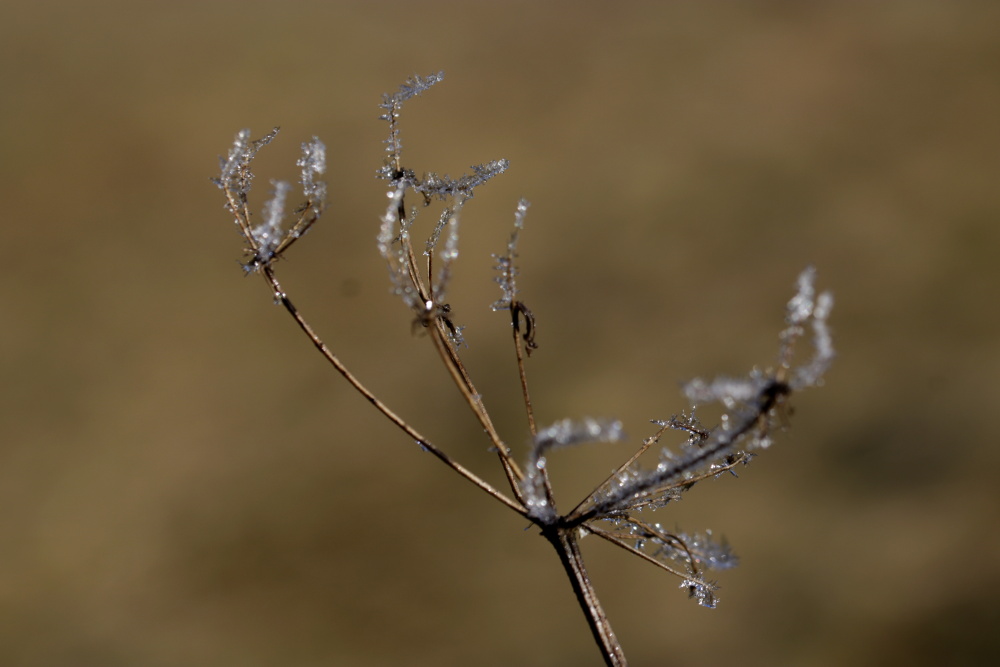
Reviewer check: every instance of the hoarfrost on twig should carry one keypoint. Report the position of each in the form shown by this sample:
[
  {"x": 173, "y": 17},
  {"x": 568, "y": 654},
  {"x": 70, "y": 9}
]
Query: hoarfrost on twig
[
  {"x": 504, "y": 264},
  {"x": 268, "y": 235},
  {"x": 613, "y": 510},
  {"x": 313, "y": 163}
]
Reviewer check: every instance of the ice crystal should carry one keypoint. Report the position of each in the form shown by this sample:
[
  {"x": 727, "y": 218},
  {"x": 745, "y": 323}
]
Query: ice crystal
[
  {"x": 569, "y": 432},
  {"x": 445, "y": 187},
  {"x": 412, "y": 87},
  {"x": 688, "y": 424},
  {"x": 706, "y": 551},
  {"x": 391, "y": 231},
  {"x": 268, "y": 235},
  {"x": 701, "y": 590},
  {"x": 235, "y": 174},
  {"x": 450, "y": 251},
  {"x": 391, "y": 105},
  {"x": 313, "y": 163},
  {"x": 504, "y": 266},
  {"x": 727, "y": 391},
  {"x": 800, "y": 307}
]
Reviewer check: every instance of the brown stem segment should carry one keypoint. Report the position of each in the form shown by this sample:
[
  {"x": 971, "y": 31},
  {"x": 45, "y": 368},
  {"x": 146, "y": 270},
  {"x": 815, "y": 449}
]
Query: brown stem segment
[{"x": 566, "y": 546}]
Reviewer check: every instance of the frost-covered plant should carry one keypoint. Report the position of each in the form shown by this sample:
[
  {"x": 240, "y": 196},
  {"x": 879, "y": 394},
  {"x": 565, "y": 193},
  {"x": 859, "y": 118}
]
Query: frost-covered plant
[{"x": 751, "y": 405}]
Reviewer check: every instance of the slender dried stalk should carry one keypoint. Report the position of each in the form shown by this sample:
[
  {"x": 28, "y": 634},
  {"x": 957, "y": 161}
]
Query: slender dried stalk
[
  {"x": 568, "y": 549},
  {"x": 752, "y": 404}
]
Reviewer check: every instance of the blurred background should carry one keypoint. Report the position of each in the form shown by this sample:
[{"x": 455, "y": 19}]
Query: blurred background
[{"x": 184, "y": 482}]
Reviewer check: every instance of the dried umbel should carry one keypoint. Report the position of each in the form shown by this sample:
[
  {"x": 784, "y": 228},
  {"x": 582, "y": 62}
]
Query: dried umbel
[
  {"x": 268, "y": 240},
  {"x": 614, "y": 510}
]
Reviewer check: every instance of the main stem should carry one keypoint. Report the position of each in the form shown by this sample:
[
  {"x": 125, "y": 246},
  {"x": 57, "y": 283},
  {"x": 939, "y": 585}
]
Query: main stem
[{"x": 566, "y": 545}]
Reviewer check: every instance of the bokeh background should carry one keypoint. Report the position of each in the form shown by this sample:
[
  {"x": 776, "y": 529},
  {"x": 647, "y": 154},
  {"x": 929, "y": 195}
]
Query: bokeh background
[{"x": 183, "y": 481}]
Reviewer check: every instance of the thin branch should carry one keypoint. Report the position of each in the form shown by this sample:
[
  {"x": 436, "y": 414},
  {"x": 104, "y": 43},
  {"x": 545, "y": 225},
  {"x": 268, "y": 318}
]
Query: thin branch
[
  {"x": 475, "y": 402},
  {"x": 618, "y": 542},
  {"x": 301, "y": 226},
  {"x": 334, "y": 361},
  {"x": 515, "y": 313},
  {"x": 452, "y": 361}
]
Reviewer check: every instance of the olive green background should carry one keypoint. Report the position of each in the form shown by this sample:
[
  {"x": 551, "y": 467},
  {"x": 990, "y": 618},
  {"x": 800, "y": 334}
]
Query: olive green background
[{"x": 183, "y": 481}]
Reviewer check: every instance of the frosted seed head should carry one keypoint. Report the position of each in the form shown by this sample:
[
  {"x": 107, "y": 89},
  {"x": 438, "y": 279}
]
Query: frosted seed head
[
  {"x": 313, "y": 163},
  {"x": 801, "y": 305},
  {"x": 504, "y": 264},
  {"x": 268, "y": 235},
  {"x": 234, "y": 173}
]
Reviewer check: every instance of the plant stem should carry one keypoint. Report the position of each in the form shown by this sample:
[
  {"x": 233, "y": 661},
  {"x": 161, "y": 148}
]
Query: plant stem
[{"x": 565, "y": 543}]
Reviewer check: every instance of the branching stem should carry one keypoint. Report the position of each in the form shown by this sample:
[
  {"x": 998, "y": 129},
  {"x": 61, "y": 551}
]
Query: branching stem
[
  {"x": 753, "y": 404},
  {"x": 334, "y": 361},
  {"x": 452, "y": 361}
]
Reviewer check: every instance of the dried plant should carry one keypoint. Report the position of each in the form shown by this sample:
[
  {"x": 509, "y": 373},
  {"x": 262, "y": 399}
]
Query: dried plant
[{"x": 751, "y": 405}]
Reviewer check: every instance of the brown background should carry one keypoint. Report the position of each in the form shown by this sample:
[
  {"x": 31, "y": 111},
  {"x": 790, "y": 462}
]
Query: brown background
[{"x": 182, "y": 481}]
